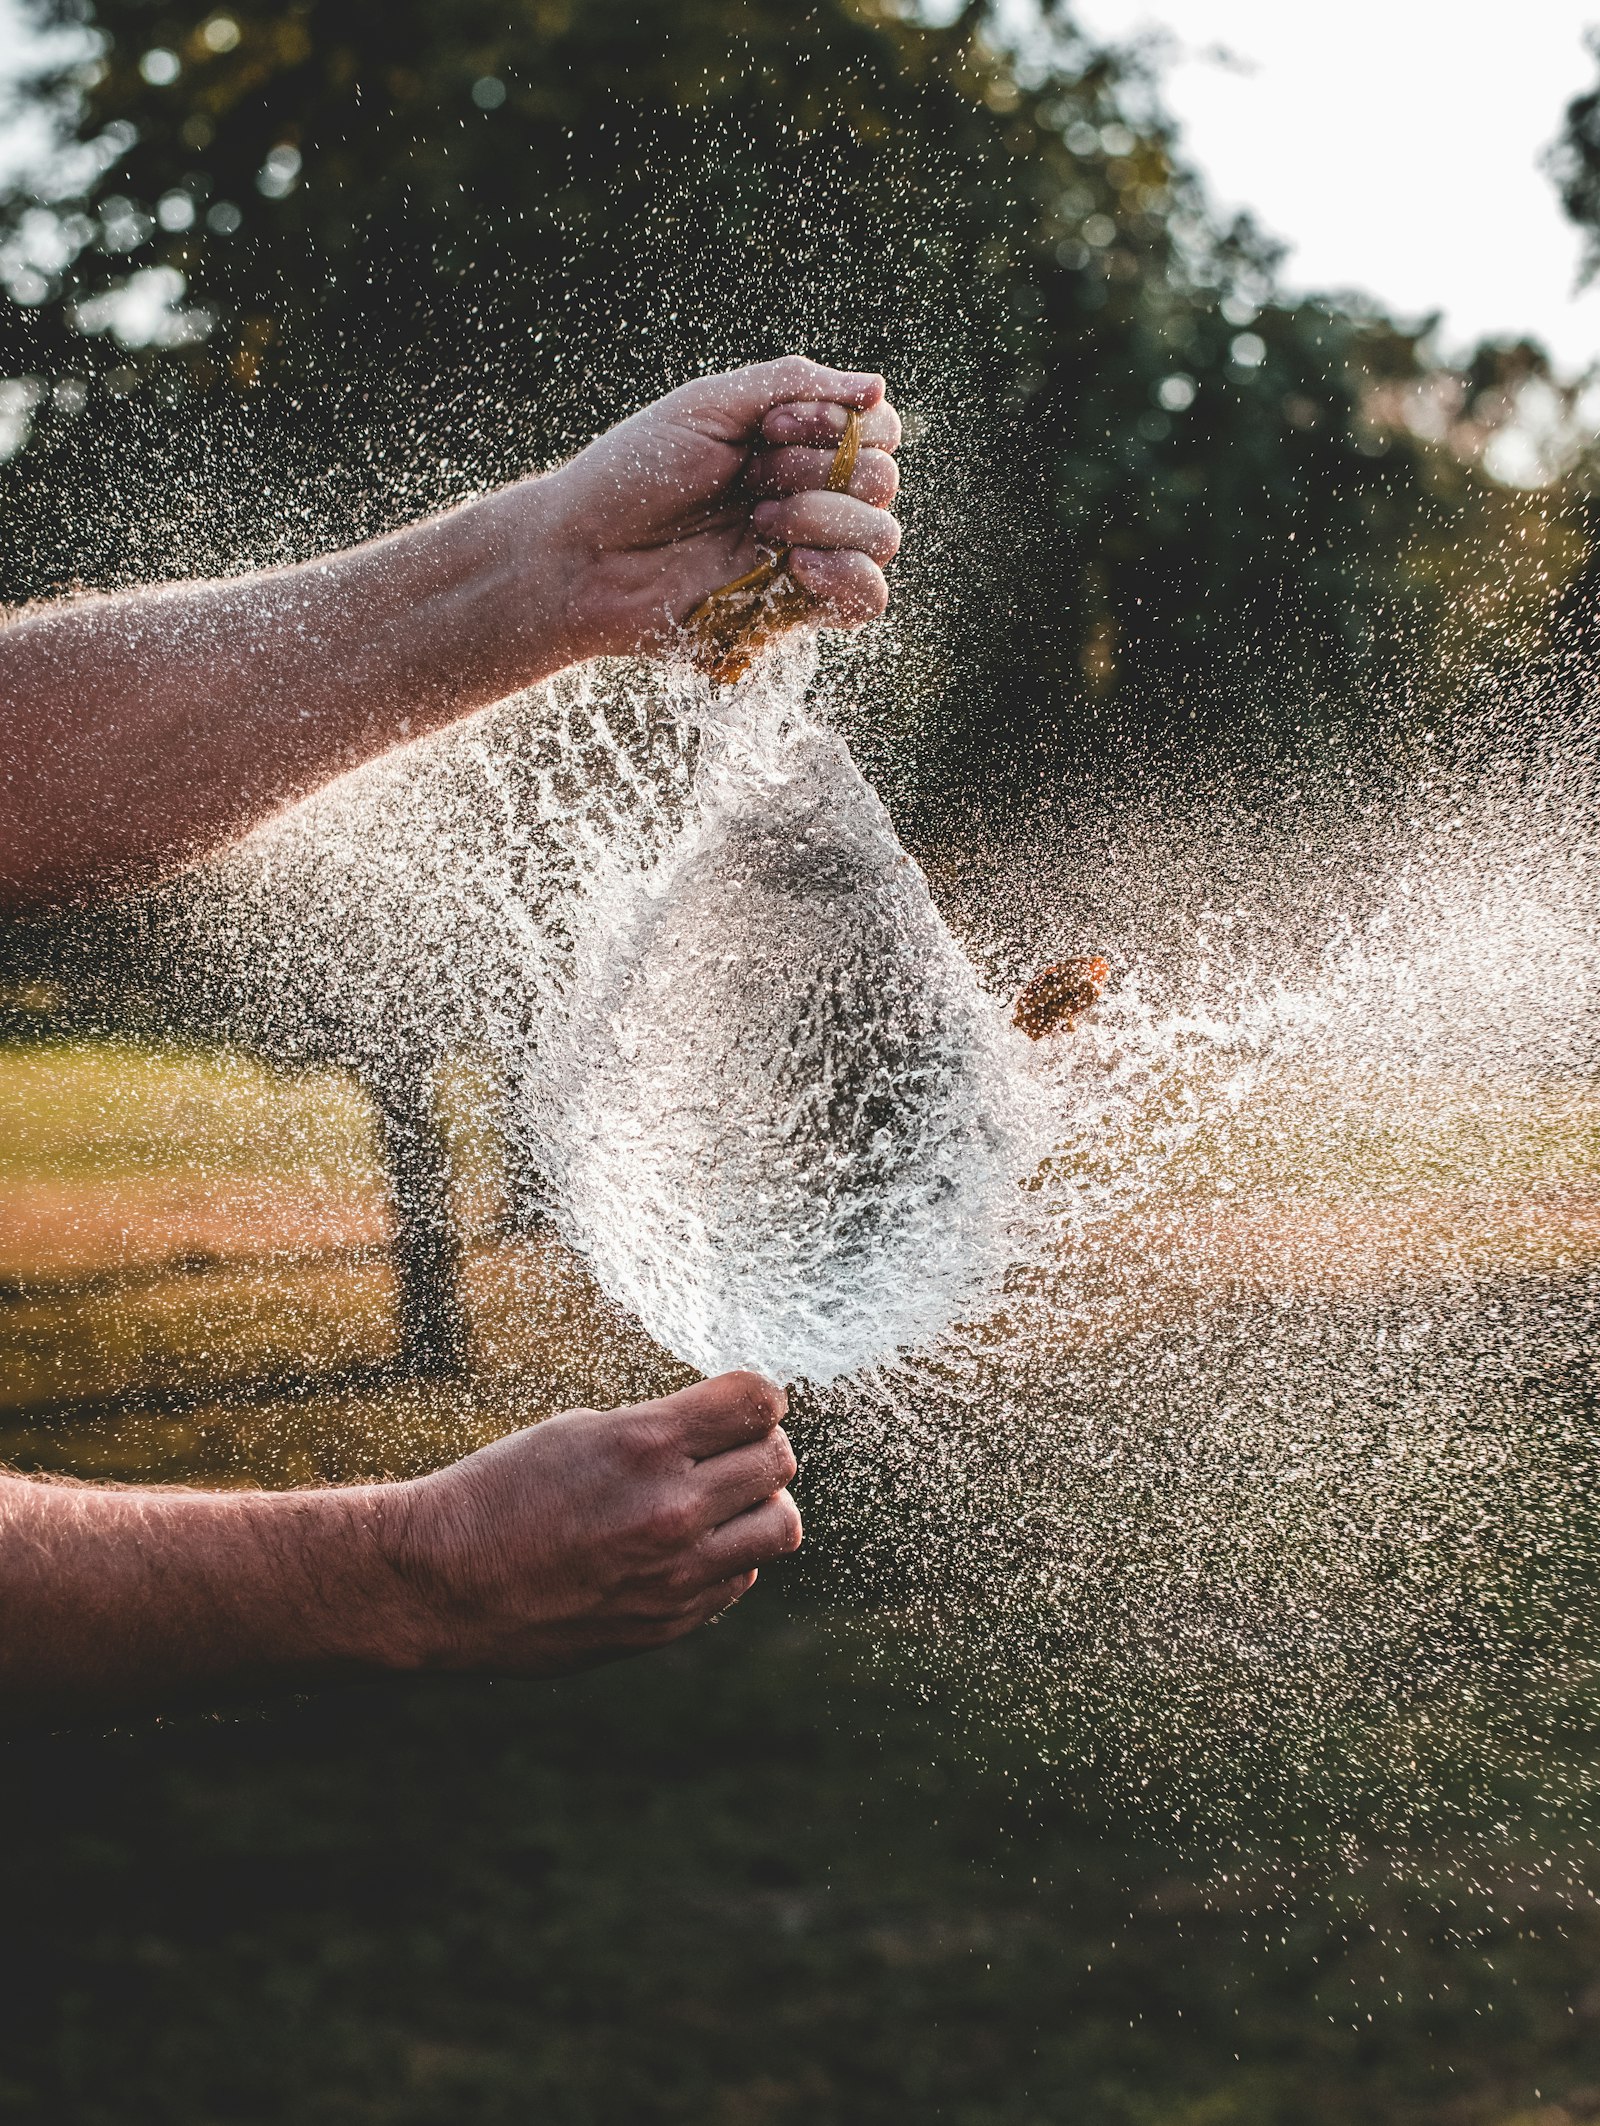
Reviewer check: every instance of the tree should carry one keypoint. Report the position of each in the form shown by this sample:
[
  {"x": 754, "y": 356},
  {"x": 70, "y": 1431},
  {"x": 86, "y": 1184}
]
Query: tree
[
  {"x": 1575, "y": 165},
  {"x": 307, "y": 269}
]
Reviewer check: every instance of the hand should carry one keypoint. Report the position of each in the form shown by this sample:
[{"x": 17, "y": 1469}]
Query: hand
[
  {"x": 665, "y": 508},
  {"x": 595, "y": 1534}
]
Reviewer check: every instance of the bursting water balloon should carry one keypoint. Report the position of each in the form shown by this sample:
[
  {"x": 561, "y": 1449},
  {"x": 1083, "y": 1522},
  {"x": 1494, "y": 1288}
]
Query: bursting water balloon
[
  {"x": 786, "y": 1129},
  {"x": 1247, "y": 1447}
]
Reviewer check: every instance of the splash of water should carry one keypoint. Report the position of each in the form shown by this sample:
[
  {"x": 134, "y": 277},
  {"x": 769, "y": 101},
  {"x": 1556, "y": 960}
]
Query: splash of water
[
  {"x": 783, "y": 1121},
  {"x": 1285, "y": 1475},
  {"x": 1238, "y": 1430}
]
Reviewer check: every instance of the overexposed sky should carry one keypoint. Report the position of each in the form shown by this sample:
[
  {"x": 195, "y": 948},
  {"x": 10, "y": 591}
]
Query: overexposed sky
[{"x": 1394, "y": 145}]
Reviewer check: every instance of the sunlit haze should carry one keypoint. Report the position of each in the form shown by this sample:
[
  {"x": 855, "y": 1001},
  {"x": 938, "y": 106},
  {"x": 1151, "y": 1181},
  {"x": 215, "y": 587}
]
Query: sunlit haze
[{"x": 1394, "y": 145}]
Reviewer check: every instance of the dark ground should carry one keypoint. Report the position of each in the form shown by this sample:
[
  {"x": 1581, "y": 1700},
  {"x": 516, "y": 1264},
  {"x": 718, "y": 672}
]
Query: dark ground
[{"x": 745, "y": 1882}]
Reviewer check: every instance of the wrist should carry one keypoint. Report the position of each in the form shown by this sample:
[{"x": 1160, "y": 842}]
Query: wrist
[
  {"x": 386, "y": 1618},
  {"x": 558, "y": 568},
  {"x": 454, "y": 613},
  {"x": 524, "y": 608},
  {"x": 418, "y": 1577},
  {"x": 328, "y": 1592}
]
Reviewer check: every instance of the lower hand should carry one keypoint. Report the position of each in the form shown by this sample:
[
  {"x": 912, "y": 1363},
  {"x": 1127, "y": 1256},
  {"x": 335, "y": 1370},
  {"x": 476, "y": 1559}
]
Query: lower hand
[{"x": 595, "y": 1534}]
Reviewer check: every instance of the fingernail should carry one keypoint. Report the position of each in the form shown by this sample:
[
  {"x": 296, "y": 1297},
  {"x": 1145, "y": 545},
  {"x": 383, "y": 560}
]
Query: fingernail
[{"x": 764, "y": 514}]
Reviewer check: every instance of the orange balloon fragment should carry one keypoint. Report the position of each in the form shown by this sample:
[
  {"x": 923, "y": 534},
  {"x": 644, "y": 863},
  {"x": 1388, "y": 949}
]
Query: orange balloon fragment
[
  {"x": 1050, "y": 1001},
  {"x": 728, "y": 631}
]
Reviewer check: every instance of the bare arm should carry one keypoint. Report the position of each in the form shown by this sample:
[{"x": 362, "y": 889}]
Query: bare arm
[
  {"x": 142, "y": 730},
  {"x": 587, "y": 1537},
  {"x": 108, "y": 1598}
]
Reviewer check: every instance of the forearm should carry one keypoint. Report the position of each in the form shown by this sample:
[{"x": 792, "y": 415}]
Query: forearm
[
  {"x": 142, "y": 730},
  {"x": 112, "y": 1599}
]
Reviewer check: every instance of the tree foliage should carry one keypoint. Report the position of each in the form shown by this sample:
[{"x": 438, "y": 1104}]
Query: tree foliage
[
  {"x": 301, "y": 270},
  {"x": 1575, "y": 166}
]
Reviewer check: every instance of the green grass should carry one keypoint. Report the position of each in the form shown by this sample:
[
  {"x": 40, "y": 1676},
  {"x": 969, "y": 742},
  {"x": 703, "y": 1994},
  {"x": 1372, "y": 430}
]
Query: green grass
[
  {"x": 750, "y": 1882},
  {"x": 108, "y": 1110}
]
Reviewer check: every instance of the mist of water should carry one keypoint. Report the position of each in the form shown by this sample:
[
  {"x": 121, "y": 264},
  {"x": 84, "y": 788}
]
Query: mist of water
[{"x": 1217, "y": 1381}]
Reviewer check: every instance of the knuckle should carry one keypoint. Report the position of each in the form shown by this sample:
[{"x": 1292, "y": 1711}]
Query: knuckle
[
  {"x": 791, "y": 1529},
  {"x": 867, "y": 592},
  {"x": 644, "y": 1439},
  {"x": 877, "y": 479},
  {"x": 793, "y": 370},
  {"x": 672, "y": 1521}
]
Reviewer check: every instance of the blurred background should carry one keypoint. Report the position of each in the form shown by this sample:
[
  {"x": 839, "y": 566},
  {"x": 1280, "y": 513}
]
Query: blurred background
[{"x": 1251, "y": 438}]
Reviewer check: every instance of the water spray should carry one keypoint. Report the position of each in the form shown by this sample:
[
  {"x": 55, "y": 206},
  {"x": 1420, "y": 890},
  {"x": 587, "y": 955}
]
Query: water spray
[{"x": 1247, "y": 1447}]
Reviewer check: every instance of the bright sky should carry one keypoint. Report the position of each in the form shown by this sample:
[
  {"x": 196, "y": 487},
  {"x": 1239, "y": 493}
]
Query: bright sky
[{"x": 1394, "y": 145}]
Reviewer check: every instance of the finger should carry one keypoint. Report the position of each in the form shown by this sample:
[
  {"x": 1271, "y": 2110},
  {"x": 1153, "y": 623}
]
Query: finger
[
  {"x": 715, "y": 1415},
  {"x": 702, "y": 1607},
  {"x": 722, "y": 1596},
  {"x": 876, "y": 478},
  {"x": 821, "y": 424},
  {"x": 821, "y": 519},
  {"x": 848, "y": 588},
  {"x": 772, "y": 1530},
  {"x": 730, "y": 1483},
  {"x": 734, "y": 404}
]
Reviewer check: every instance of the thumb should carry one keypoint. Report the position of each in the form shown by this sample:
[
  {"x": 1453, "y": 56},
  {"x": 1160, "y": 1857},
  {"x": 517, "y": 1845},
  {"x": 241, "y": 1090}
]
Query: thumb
[{"x": 732, "y": 406}]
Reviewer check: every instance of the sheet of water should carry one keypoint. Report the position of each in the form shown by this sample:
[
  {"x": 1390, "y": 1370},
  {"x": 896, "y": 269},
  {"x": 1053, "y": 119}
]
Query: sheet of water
[{"x": 781, "y": 1118}]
